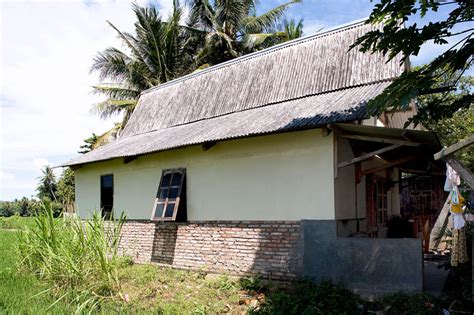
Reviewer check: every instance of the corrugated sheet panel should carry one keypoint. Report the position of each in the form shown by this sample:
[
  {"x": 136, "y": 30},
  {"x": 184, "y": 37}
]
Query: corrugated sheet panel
[
  {"x": 307, "y": 66},
  {"x": 307, "y": 112}
]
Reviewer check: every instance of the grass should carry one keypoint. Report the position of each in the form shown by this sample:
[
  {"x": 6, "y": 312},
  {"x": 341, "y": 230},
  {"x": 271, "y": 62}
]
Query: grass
[
  {"x": 18, "y": 291},
  {"x": 150, "y": 289},
  {"x": 16, "y": 222},
  {"x": 171, "y": 291}
]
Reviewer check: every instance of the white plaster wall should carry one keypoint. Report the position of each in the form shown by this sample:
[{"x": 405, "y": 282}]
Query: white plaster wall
[{"x": 279, "y": 177}]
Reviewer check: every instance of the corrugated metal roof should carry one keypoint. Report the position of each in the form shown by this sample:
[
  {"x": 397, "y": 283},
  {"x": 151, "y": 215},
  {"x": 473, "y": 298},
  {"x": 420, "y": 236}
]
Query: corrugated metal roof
[
  {"x": 308, "y": 112},
  {"x": 299, "y": 84}
]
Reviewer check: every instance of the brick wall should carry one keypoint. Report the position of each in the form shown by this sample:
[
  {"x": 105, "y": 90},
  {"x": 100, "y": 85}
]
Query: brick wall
[{"x": 268, "y": 248}]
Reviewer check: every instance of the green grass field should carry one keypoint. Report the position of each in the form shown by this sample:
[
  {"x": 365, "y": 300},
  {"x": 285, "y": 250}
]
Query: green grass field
[
  {"x": 19, "y": 291},
  {"x": 151, "y": 289}
]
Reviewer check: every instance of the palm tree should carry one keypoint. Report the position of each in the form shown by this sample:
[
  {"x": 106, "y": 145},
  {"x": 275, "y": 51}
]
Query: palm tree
[
  {"x": 47, "y": 185},
  {"x": 291, "y": 30},
  {"x": 232, "y": 27},
  {"x": 95, "y": 141},
  {"x": 159, "y": 51}
]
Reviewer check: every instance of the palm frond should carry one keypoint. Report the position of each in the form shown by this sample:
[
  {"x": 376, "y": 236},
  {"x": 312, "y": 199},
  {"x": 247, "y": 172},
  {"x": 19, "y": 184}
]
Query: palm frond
[
  {"x": 266, "y": 21},
  {"x": 263, "y": 40},
  {"x": 108, "y": 136},
  {"x": 114, "y": 91},
  {"x": 292, "y": 29},
  {"x": 112, "y": 107},
  {"x": 201, "y": 15},
  {"x": 111, "y": 63},
  {"x": 230, "y": 14}
]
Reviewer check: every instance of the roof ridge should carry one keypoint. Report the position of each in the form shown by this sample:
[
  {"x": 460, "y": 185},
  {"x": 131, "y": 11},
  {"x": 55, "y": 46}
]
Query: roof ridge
[
  {"x": 261, "y": 106},
  {"x": 263, "y": 52}
]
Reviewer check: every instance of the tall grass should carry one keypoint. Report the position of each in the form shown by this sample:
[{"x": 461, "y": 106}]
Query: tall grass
[{"x": 79, "y": 259}]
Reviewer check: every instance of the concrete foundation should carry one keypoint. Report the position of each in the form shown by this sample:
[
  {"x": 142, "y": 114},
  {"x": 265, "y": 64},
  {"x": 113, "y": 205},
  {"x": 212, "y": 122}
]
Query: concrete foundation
[{"x": 367, "y": 266}]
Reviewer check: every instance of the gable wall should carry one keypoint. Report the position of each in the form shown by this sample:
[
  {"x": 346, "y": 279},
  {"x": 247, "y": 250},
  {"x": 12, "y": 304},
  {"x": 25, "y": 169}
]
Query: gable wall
[{"x": 277, "y": 177}]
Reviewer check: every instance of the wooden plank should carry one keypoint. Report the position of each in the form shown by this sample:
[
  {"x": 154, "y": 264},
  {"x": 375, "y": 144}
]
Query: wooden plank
[
  {"x": 369, "y": 155},
  {"x": 336, "y": 156},
  {"x": 461, "y": 170},
  {"x": 440, "y": 224},
  {"x": 207, "y": 145},
  {"x": 381, "y": 140},
  {"x": 343, "y": 133},
  {"x": 325, "y": 131},
  {"x": 390, "y": 164},
  {"x": 454, "y": 148},
  {"x": 129, "y": 159}
]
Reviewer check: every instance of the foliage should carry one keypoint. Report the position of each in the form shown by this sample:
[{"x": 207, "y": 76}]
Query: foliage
[
  {"x": 65, "y": 188},
  {"x": 291, "y": 29},
  {"x": 233, "y": 29},
  {"x": 409, "y": 303},
  {"x": 16, "y": 222},
  {"x": 80, "y": 261},
  {"x": 159, "y": 51},
  {"x": 307, "y": 297},
  {"x": 18, "y": 207},
  {"x": 393, "y": 39},
  {"x": 19, "y": 291},
  {"x": 455, "y": 128},
  {"x": 96, "y": 141},
  {"x": 89, "y": 144},
  {"x": 251, "y": 283},
  {"x": 47, "y": 185}
]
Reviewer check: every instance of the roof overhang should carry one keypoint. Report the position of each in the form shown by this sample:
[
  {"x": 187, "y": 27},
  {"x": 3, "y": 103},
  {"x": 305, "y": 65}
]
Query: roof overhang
[{"x": 409, "y": 150}]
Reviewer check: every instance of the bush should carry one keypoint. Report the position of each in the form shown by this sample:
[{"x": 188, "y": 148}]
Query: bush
[
  {"x": 307, "y": 297},
  {"x": 409, "y": 303},
  {"x": 251, "y": 283},
  {"x": 79, "y": 260}
]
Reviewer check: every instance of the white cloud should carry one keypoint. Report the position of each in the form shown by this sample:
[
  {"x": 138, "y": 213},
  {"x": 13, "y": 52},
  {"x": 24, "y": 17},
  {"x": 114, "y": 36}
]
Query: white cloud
[
  {"x": 46, "y": 51},
  {"x": 6, "y": 176},
  {"x": 40, "y": 163}
]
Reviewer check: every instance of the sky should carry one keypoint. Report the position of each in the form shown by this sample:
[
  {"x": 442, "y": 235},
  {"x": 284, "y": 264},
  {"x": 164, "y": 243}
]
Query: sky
[{"x": 46, "y": 50}]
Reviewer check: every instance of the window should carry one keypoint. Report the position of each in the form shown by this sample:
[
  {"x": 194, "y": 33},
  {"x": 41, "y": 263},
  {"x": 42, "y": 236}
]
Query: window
[
  {"x": 170, "y": 198},
  {"x": 381, "y": 199},
  {"x": 106, "y": 195}
]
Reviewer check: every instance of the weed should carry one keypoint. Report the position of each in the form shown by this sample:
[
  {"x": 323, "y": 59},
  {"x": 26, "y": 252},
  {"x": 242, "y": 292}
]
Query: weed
[
  {"x": 251, "y": 283},
  {"x": 307, "y": 297},
  {"x": 79, "y": 260}
]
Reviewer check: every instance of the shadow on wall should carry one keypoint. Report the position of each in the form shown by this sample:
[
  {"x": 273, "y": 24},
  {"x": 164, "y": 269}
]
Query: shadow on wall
[
  {"x": 243, "y": 248},
  {"x": 164, "y": 243}
]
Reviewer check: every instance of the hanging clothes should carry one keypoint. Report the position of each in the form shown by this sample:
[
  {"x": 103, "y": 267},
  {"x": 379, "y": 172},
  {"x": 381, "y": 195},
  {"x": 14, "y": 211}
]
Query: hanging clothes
[
  {"x": 452, "y": 178},
  {"x": 459, "y": 249},
  {"x": 457, "y": 203}
]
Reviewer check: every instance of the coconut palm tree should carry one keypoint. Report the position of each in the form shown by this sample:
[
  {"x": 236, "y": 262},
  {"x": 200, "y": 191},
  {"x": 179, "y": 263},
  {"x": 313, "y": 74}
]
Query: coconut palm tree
[
  {"x": 233, "y": 28},
  {"x": 47, "y": 185},
  {"x": 159, "y": 51}
]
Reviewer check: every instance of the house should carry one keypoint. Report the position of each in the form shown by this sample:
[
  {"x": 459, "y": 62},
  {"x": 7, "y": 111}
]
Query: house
[{"x": 267, "y": 164}]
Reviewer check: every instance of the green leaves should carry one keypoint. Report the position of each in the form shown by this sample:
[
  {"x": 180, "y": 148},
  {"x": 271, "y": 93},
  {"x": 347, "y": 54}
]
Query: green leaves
[
  {"x": 393, "y": 39},
  {"x": 159, "y": 51},
  {"x": 233, "y": 29},
  {"x": 79, "y": 260}
]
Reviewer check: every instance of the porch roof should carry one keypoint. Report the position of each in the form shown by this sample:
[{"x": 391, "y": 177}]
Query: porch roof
[{"x": 410, "y": 150}]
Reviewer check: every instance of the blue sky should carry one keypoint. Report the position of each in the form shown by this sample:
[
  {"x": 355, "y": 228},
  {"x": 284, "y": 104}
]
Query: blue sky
[{"x": 46, "y": 51}]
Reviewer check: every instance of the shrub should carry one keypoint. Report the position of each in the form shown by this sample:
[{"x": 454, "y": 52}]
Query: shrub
[
  {"x": 409, "y": 303},
  {"x": 80, "y": 260},
  {"x": 251, "y": 283},
  {"x": 307, "y": 297}
]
